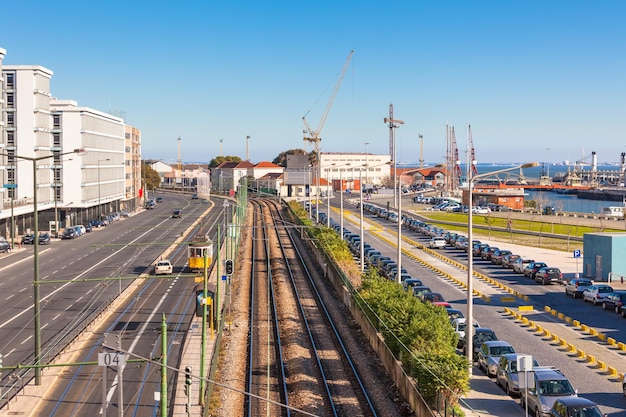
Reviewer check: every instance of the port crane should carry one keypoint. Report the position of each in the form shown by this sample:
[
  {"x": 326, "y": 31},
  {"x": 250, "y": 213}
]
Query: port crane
[{"x": 313, "y": 136}]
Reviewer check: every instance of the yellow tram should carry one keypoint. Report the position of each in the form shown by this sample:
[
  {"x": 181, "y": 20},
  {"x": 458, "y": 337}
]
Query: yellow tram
[{"x": 199, "y": 251}]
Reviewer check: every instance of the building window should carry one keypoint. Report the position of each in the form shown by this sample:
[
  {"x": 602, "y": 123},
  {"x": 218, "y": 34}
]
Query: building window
[
  {"x": 10, "y": 81},
  {"x": 10, "y": 139},
  {"x": 10, "y": 119},
  {"x": 57, "y": 139},
  {"x": 10, "y": 100},
  {"x": 56, "y": 121}
]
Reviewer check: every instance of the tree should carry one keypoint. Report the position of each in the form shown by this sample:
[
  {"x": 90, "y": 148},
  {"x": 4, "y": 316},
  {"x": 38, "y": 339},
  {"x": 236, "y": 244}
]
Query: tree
[
  {"x": 219, "y": 159},
  {"x": 149, "y": 176},
  {"x": 281, "y": 159}
]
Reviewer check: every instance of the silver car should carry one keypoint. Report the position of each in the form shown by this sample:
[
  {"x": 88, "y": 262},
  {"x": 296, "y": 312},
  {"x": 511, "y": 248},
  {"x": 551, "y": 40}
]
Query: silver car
[
  {"x": 489, "y": 355},
  {"x": 507, "y": 374},
  {"x": 596, "y": 293},
  {"x": 548, "y": 385}
]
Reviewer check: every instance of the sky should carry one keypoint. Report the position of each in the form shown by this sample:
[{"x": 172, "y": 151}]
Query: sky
[{"x": 536, "y": 80}]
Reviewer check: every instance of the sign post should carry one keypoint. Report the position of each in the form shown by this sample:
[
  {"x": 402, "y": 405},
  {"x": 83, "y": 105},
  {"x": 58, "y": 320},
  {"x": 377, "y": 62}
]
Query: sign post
[{"x": 577, "y": 256}]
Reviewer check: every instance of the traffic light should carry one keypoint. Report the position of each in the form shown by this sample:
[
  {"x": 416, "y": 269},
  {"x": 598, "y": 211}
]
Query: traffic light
[
  {"x": 230, "y": 265},
  {"x": 187, "y": 375}
]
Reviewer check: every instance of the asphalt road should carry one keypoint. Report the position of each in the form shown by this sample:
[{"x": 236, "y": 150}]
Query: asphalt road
[{"x": 83, "y": 275}]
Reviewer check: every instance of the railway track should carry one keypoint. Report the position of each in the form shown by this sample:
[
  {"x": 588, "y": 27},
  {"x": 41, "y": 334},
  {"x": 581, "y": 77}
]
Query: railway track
[{"x": 296, "y": 355}]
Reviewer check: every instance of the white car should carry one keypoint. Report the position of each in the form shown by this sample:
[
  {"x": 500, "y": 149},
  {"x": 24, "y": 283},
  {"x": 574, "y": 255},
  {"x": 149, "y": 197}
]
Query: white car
[
  {"x": 596, "y": 293},
  {"x": 437, "y": 243},
  {"x": 459, "y": 325},
  {"x": 163, "y": 267}
]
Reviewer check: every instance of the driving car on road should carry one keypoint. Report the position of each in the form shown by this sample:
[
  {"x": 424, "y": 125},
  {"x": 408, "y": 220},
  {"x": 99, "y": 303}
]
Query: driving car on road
[
  {"x": 163, "y": 267},
  {"x": 489, "y": 355},
  {"x": 28, "y": 239},
  {"x": 177, "y": 214},
  {"x": 44, "y": 238},
  {"x": 5, "y": 246},
  {"x": 577, "y": 286},
  {"x": 596, "y": 293}
]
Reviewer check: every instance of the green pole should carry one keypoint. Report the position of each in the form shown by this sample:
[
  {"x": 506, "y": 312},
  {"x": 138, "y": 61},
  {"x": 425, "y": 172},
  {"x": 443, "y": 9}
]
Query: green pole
[
  {"x": 219, "y": 278},
  {"x": 204, "y": 323},
  {"x": 163, "y": 367},
  {"x": 37, "y": 307}
]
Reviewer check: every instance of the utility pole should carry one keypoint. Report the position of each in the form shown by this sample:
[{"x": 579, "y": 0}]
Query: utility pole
[
  {"x": 421, "y": 138},
  {"x": 221, "y": 141},
  {"x": 393, "y": 124},
  {"x": 247, "y": 154}
]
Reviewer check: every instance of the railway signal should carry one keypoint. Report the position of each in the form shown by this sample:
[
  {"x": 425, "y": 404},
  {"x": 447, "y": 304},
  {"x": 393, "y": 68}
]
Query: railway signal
[{"x": 229, "y": 266}]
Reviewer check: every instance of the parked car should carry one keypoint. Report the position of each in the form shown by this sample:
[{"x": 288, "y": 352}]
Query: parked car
[
  {"x": 489, "y": 355},
  {"x": 44, "y": 238},
  {"x": 417, "y": 291},
  {"x": 488, "y": 253},
  {"x": 28, "y": 239},
  {"x": 548, "y": 275},
  {"x": 69, "y": 233},
  {"x": 549, "y": 385},
  {"x": 507, "y": 261},
  {"x": 408, "y": 284},
  {"x": 163, "y": 267},
  {"x": 520, "y": 264},
  {"x": 596, "y": 293},
  {"x": 577, "y": 286},
  {"x": 615, "y": 301},
  {"x": 459, "y": 324},
  {"x": 575, "y": 406},
  {"x": 434, "y": 298},
  {"x": 496, "y": 257},
  {"x": 454, "y": 314},
  {"x": 5, "y": 246},
  {"x": 437, "y": 243},
  {"x": 532, "y": 268},
  {"x": 507, "y": 374},
  {"x": 96, "y": 223},
  {"x": 481, "y": 335}
]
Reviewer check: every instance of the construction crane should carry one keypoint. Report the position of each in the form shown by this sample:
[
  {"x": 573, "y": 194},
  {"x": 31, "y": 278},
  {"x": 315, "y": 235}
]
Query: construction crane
[{"x": 314, "y": 135}]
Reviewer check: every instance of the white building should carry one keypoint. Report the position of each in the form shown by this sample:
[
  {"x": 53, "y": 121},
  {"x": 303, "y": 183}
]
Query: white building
[
  {"x": 38, "y": 135},
  {"x": 348, "y": 166}
]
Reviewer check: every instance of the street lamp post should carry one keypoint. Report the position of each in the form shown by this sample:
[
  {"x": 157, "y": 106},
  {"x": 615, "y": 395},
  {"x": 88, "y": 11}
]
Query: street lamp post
[
  {"x": 36, "y": 295},
  {"x": 469, "y": 328},
  {"x": 99, "y": 199},
  {"x": 362, "y": 254}
]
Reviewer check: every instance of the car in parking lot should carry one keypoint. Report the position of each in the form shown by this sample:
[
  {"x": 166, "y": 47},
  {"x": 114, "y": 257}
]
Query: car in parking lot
[
  {"x": 548, "y": 275},
  {"x": 488, "y": 253},
  {"x": 520, "y": 264},
  {"x": 596, "y": 293},
  {"x": 507, "y": 374},
  {"x": 437, "y": 242},
  {"x": 458, "y": 325},
  {"x": 489, "y": 355},
  {"x": 507, "y": 261},
  {"x": 549, "y": 385},
  {"x": 44, "y": 238},
  {"x": 434, "y": 298},
  {"x": 497, "y": 256},
  {"x": 418, "y": 290},
  {"x": 532, "y": 268},
  {"x": 575, "y": 406},
  {"x": 577, "y": 286},
  {"x": 615, "y": 301},
  {"x": 480, "y": 336},
  {"x": 163, "y": 267},
  {"x": 408, "y": 284}
]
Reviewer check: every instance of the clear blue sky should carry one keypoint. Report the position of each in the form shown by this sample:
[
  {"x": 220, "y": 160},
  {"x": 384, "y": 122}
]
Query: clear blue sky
[{"x": 536, "y": 80}]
